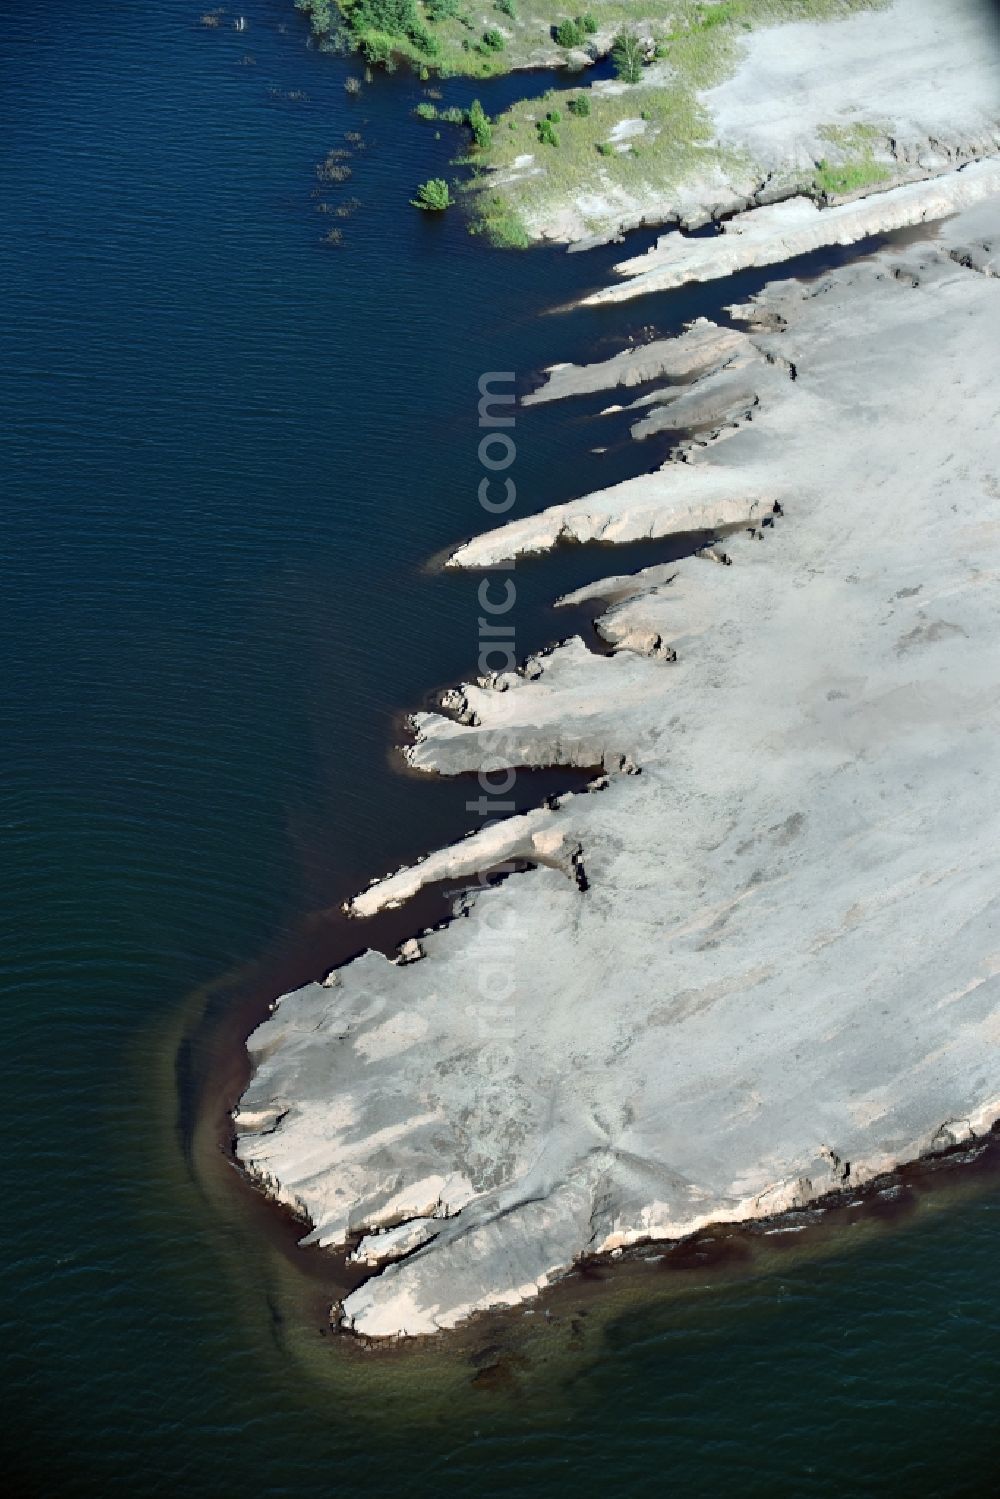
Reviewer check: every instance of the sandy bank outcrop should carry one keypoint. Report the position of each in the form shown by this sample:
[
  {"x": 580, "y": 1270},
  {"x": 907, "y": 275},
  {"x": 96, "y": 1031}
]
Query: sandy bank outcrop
[
  {"x": 780, "y": 970},
  {"x": 781, "y": 231}
]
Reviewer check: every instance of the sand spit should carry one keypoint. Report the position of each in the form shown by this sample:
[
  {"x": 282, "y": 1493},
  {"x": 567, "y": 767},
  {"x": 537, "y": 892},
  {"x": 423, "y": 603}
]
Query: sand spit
[
  {"x": 704, "y": 346},
  {"x": 768, "y": 964},
  {"x": 781, "y": 231}
]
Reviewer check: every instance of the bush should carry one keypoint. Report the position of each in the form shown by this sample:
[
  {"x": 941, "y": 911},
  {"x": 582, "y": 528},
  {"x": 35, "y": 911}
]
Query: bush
[
  {"x": 570, "y": 34},
  {"x": 494, "y": 40},
  {"x": 441, "y": 10},
  {"x": 378, "y": 24},
  {"x": 605, "y": 148},
  {"x": 424, "y": 42},
  {"x": 574, "y": 33},
  {"x": 479, "y": 124},
  {"x": 547, "y": 133},
  {"x": 376, "y": 47},
  {"x": 433, "y": 195},
  {"x": 500, "y": 223},
  {"x": 579, "y": 107},
  {"x": 554, "y": 116},
  {"x": 319, "y": 13},
  {"x": 425, "y": 111},
  {"x": 506, "y": 8},
  {"x": 627, "y": 56}
]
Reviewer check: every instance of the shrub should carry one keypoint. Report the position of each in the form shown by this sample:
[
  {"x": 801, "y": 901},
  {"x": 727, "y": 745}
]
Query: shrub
[
  {"x": 479, "y": 124},
  {"x": 569, "y": 33},
  {"x": 627, "y": 56},
  {"x": 554, "y": 116},
  {"x": 574, "y": 33},
  {"x": 424, "y": 42},
  {"x": 605, "y": 148},
  {"x": 579, "y": 107},
  {"x": 441, "y": 10},
  {"x": 377, "y": 48},
  {"x": 506, "y": 8},
  {"x": 500, "y": 223},
  {"x": 319, "y": 13},
  {"x": 433, "y": 195},
  {"x": 494, "y": 40},
  {"x": 426, "y": 111},
  {"x": 378, "y": 24},
  {"x": 452, "y": 115},
  {"x": 547, "y": 133}
]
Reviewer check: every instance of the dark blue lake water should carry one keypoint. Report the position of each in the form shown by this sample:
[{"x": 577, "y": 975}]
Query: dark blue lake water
[{"x": 229, "y": 451}]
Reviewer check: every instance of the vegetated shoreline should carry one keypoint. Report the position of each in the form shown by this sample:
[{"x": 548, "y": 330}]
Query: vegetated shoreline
[{"x": 665, "y": 145}]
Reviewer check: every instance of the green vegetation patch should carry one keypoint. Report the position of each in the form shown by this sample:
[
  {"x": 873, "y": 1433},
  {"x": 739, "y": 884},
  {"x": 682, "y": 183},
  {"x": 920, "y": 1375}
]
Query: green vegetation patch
[
  {"x": 450, "y": 36},
  {"x": 645, "y": 141},
  {"x": 498, "y": 222},
  {"x": 433, "y": 196},
  {"x": 855, "y": 165}
]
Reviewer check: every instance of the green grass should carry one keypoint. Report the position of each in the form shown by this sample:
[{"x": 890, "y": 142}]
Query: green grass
[
  {"x": 456, "y": 28},
  {"x": 698, "y": 49},
  {"x": 834, "y": 179},
  {"x": 499, "y": 222},
  {"x": 696, "y": 44},
  {"x": 855, "y": 165}
]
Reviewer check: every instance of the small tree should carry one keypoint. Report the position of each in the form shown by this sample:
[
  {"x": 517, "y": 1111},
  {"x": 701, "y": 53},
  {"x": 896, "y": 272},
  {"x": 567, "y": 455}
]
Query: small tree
[
  {"x": 580, "y": 106},
  {"x": 569, "y": 33},
  {"x": 547, "y": 133},
  {"x": 494, "y": 40},
  {"x": 479, "y": 124},
  {"x": 627, "y": 56},
  {"x": 433, "y": 196}
]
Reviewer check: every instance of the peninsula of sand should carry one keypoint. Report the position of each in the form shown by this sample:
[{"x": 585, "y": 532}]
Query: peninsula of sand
[{"x": 758, "y": 960}]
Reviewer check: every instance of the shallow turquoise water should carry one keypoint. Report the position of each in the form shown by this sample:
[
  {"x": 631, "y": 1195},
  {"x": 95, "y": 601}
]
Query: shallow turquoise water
[{"x": 229, "y": 452}]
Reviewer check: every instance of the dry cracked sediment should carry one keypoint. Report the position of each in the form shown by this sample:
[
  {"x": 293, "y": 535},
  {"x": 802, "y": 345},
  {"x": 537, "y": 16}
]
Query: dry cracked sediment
[{"x": 768, "y": 963}]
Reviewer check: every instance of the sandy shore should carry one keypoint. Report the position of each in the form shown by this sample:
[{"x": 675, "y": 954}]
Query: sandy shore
[{"x": 764, "y": 967}]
